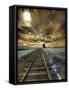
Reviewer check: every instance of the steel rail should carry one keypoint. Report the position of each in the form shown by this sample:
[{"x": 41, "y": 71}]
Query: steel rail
[
  {"x": 50, "y": 78},
  {"x": 29, "y": 67}
]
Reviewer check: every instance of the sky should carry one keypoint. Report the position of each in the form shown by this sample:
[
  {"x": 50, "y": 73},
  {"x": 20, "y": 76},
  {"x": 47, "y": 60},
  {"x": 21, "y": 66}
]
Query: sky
[{"x": 38, "y": 26}]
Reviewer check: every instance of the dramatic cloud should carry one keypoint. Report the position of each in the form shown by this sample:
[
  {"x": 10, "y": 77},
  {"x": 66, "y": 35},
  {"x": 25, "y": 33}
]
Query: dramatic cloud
[{"x": 43, "y": 26}]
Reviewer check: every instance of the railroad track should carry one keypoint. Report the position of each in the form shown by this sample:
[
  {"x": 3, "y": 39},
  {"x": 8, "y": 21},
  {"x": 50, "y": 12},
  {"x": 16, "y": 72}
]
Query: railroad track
[{"x": 35, "y": 67}]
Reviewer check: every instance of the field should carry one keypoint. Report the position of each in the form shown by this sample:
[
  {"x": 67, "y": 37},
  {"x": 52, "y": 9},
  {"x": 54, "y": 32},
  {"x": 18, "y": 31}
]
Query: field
[{"x": 54, "y": 57}]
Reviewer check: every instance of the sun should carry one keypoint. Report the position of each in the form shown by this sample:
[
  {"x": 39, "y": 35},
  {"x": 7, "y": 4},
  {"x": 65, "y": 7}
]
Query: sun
[{"x": 27, "y": 17}]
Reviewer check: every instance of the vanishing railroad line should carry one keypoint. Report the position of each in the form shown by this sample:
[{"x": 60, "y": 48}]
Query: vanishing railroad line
[{"x": 35, "y": 67}]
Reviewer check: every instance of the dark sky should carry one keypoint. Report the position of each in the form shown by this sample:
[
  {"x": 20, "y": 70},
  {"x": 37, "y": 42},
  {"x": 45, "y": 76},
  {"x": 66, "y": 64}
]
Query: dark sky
[{"x": 46, "y": 26}]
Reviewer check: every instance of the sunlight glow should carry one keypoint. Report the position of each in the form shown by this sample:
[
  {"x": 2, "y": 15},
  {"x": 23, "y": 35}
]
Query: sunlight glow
[{"x": 27, "y": 17}]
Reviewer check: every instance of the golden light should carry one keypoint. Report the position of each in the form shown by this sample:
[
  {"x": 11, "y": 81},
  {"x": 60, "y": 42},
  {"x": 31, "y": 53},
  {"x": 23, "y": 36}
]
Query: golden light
[{"x": 27, "y": 17}]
